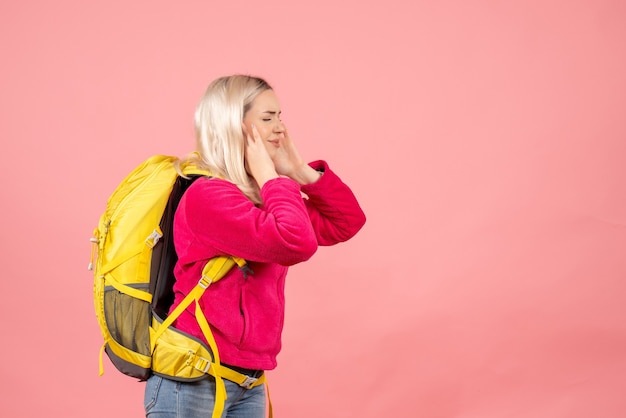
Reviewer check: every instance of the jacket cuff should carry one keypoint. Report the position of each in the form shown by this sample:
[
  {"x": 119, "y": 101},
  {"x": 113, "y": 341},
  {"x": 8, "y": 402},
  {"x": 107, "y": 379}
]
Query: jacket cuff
[{"x": 326, "y": 178}]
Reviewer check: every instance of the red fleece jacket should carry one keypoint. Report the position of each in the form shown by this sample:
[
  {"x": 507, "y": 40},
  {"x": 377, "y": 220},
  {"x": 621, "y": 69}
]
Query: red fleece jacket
[{"x": 215, "y": 218}]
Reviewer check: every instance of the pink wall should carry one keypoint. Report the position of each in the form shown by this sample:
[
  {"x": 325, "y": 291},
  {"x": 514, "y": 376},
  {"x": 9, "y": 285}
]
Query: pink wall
[{"x": 485, "y": 139}]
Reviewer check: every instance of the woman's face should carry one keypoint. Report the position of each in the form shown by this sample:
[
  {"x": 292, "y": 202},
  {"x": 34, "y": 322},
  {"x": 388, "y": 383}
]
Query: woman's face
[{"x": 264, "y": 114}]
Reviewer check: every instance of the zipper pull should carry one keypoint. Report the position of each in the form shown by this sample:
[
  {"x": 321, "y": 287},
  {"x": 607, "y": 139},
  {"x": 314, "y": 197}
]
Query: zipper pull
[{"x": 94, "y": 248}]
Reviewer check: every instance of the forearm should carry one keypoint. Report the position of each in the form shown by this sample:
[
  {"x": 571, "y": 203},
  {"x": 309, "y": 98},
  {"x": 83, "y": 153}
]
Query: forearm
[
  {"x": 305, "y": 174},
  {"x": 334, "y": 211}
]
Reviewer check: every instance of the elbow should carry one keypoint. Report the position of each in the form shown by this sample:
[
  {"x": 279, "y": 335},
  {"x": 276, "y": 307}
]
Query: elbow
[
  {"x": 303, "y": 251},
  {"x": 309, "y": 249},
  {"x": 359, "y": 222},
  {"x": 350, "y": 228}
]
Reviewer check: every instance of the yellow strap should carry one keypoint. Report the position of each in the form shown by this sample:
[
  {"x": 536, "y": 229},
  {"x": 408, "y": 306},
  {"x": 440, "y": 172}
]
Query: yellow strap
[
  {"x": 217, "y": 267},
  {"x": 206, "y": 330},
  {"x": 145, "y": 258},
  {"x": 197, "y": 290},
  {"x": 94, "y": 248},
  {"x": 235, "y": 376},
  {"x": 220, "y": 387},
  {"x": 194, "y": 296},
  {"x": 214, "y": 270},
  {"x": 189, "y": 169},
  {"x": 143, "y": 252},
  {"x": 239, "y": 378},
  {"x": 128, "y": 290},
  {"x": 101, "y": 354},
  {"x": 269, "y": 400}
]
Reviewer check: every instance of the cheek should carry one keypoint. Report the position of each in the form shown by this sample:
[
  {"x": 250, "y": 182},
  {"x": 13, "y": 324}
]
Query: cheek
[
  {"x": 264, "y": 132},
  {"x": 271, "y": 149}
]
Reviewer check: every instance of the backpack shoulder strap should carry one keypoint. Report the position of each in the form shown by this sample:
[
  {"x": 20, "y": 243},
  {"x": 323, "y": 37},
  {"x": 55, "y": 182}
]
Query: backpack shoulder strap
[
  {"x": 189, "y": 168},
  {"x": 214, "y": 270}
]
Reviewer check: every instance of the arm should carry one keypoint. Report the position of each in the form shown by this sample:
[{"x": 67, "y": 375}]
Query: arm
[
  {"x": 214, "y": 218},
  {"x": 333, "y": 209}
]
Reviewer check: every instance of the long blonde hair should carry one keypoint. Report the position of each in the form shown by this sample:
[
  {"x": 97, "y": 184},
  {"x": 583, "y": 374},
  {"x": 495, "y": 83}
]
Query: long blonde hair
[{"x": 218, "y": 120}]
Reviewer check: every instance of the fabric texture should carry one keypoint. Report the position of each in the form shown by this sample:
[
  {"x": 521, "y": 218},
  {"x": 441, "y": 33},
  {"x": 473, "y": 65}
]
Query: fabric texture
[
  {"x": 165, "y": 398},
  {"x": 215, "y": 218}
]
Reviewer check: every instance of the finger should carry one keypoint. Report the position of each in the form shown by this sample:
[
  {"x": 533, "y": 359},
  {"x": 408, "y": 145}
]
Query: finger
[
  {"x": 246, "y": 135},
  {"x": 255, "y": 133},
  {"x": 286, "y": 133}
]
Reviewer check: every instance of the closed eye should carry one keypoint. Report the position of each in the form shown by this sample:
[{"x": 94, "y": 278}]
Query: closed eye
[{"x": 269, "y": 114}]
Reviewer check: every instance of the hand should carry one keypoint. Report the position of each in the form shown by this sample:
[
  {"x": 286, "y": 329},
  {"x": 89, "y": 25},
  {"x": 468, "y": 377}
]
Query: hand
[
  {"x": 288, "y": 162},
  {"x": 258, "y": 162}
]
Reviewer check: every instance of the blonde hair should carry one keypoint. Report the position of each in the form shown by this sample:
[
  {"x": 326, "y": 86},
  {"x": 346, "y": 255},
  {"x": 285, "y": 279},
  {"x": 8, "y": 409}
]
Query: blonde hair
[{"x": 218, "y": 120}]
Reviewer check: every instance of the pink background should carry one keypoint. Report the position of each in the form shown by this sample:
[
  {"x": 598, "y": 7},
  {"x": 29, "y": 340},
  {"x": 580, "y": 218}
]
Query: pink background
[{"x": 486, "y": 141}]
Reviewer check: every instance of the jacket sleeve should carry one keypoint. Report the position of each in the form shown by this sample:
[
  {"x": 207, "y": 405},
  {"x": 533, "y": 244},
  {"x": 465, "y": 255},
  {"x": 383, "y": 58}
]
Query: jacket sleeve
[
  {"x": 215, "y": 218},
  {"x": 333, "y": 209}
]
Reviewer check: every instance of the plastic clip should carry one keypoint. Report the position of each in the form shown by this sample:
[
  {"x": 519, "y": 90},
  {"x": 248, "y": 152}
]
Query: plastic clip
[
  {"x": 153, "y": 238},
  {"x": 248, "y": 383},
  {"x": 203, "y": 365},
  {"x": 205, "y": 281},
  {"x": 246, "y": 271}
]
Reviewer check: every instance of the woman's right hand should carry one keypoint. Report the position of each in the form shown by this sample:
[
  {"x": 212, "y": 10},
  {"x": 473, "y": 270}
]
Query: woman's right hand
[{"x": 258, "y": 162}]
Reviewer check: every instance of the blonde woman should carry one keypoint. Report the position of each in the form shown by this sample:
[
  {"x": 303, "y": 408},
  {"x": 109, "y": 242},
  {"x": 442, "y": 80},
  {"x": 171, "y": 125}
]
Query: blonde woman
[{"x": 253, "y": 209}]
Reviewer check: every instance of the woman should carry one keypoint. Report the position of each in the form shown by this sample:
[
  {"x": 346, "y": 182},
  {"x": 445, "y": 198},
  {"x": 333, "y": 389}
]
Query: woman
[{"x": 265, "y": 205}]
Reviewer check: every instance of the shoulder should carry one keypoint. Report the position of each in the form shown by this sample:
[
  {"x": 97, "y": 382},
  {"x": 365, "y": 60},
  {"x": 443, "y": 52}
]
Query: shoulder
[
  {"x": 211, "y": 192},
  {"x": 204, "y": 184}
]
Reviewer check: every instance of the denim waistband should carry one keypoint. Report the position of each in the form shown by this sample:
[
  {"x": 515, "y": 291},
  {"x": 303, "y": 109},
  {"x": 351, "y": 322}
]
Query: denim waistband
[{"x": 248, "y": 372}]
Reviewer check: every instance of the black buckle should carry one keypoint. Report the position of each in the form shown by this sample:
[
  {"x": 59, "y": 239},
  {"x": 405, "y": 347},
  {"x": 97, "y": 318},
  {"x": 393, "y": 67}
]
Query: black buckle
[{"x": 246, "y": 271}]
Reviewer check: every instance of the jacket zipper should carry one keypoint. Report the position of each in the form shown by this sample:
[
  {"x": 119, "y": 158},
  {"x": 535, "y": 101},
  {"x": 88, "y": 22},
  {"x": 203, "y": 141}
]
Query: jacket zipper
[{"x": 242, "y": 312}]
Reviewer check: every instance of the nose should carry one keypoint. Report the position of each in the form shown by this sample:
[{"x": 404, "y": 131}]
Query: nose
[{"x": 279, "y": 127}]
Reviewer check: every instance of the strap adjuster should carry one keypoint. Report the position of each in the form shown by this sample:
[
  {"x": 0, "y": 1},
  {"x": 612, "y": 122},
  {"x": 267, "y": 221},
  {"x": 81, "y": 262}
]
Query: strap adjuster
[
  {"x": 203, "y": 364},
  {"x": 205, "y": 281},
  {"x": 248, "y": 383},
  {"x": 154, "y": 238}
]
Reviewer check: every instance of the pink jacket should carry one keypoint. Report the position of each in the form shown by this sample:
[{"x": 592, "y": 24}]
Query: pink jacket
[{"x": 215, "y": 218}]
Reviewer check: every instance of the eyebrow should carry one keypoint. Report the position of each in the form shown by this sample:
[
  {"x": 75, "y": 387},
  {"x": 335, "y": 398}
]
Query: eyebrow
[{"x": 272, "y": 112}]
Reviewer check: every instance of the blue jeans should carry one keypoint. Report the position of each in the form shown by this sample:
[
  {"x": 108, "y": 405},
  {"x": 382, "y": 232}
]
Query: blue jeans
[{"x": 166, "y": 398}]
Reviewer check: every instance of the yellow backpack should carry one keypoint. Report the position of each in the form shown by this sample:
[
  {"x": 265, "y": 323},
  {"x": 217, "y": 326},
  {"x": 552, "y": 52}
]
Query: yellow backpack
[{"x": 133, "y": 279}]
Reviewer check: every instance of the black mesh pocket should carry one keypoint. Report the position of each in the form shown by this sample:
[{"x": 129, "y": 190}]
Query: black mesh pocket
[{"x": 128, "y": 319}]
